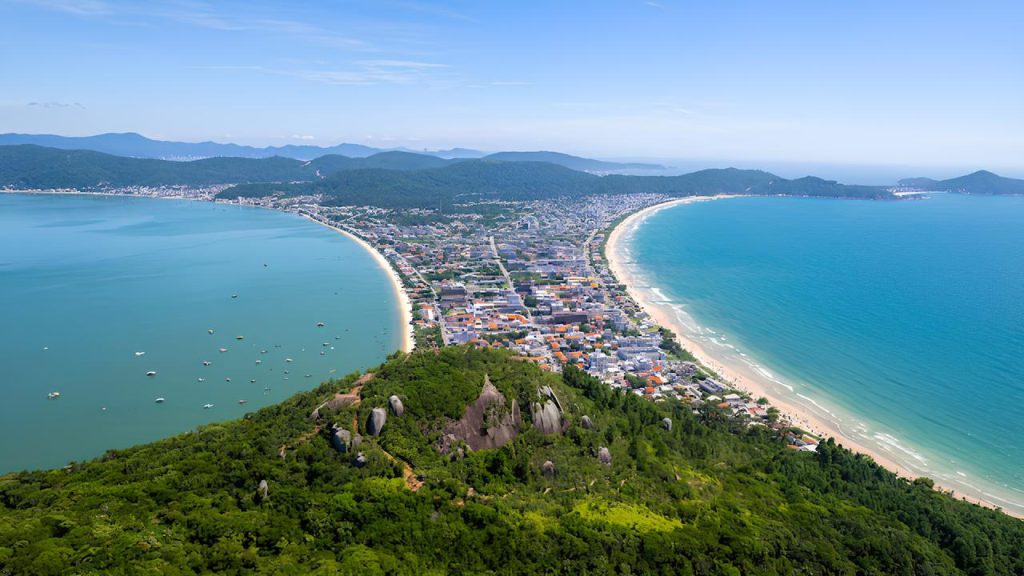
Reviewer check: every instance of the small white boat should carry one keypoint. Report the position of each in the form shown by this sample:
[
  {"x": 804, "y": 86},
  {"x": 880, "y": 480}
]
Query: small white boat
[
  {"x": 207, "y": 406},
  {"x": 320, "y": 324},
  {"x": 227, "y": 379},
  {"x": 151, "y": 373},
  {"x": 159, "y": 400},
  {"x": 223, "y": 350},
  {"x": 258, "y": 362},
  {"x": 201, "y": 379},
  {"x": 326, "y": 344},
  {"x": 242, "y": 401},
  {"x": 288, "y": 360},
  {"x": 53, "y": 395},
  {"x": 210, "y": 331},
  {"x": 239, "y": 337},
  {"x": 234, "y": 295},
  {"x": 137, "y": 354},
  {"x": 323, "y": 353},
  {"x": 207, "y": 362},
  {"x": 253, "y": 381},
  {"x": 309, "y": 375}
]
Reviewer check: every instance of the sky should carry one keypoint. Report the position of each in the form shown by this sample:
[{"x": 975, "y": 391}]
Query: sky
[{"x": 910, "y": 83}]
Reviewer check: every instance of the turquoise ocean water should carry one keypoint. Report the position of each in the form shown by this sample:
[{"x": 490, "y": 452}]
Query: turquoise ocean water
[
  {"x": 900, "y": 322},
  {"x": 86, "y": 282}
]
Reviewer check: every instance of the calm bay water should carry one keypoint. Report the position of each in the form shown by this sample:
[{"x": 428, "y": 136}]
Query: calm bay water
[
  {"x": 86, "y": 282},
  {"x": 902, "y": 322}
]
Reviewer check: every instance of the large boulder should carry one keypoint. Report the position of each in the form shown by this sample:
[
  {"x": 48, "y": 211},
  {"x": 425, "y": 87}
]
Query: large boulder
[
  {"x": 397, "y": 408},
  {"x": 666, "y": 423},
  {"x": 378, "y": 416},
  {"x": 341, "y": 439},
  {"x": 587, "y": 423},
  {"x": 604, "y": 456},
  {"x": 547, "y": 414},
  {"x": 491, "y": 421}
]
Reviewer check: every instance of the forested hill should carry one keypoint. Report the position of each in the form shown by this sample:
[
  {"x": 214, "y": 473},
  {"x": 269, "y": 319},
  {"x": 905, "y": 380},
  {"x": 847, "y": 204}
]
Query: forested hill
[
  {"x": 980, "y": 182},
  {"x": 596, "y": 483},
  {"x": 485, "y": 180}
]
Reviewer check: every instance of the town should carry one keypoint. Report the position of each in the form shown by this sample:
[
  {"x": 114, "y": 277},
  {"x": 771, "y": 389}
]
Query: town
[{"x": 532, "y": 277}]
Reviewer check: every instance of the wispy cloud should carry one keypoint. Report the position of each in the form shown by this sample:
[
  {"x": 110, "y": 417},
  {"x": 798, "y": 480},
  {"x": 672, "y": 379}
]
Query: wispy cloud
[
  {"x": 303, "y": 137},
  {"x": 52, "y": 104},
  {"x": 77, "y": 7}
]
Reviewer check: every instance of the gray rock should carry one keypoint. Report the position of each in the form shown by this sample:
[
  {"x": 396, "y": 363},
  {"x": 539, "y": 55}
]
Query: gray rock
[
  {"x": 341, "y": 439},
  {"x": 666, "y": 423},
  {"x": 360, "y": 460},
  {"x": 490, "y": 421},
  {"x": 397, "y": 408},
  {"x": 264, "y": 490},
  {"x": 587, "y": 423},
  {"x": 547, "y": 414},
  {"x": 377, "y": 419},
  {"x": 604, "y": 456},
  {"x": 548, "y": 469}
]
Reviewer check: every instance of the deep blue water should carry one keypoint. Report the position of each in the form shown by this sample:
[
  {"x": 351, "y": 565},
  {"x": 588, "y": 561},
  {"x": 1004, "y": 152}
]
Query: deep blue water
[
  {"x": 85, "y": 282},
  {"x": 904, "y": 320}
]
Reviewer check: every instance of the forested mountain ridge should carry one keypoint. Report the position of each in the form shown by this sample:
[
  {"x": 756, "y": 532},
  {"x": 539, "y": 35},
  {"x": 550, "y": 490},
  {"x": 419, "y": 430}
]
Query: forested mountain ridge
[
  {"x": 304, "y": 487},
  {"x": 980, "y": 182}
]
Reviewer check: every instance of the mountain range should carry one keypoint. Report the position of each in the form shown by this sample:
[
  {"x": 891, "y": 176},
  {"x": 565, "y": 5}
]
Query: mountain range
[{"x": 134, "y": 145}]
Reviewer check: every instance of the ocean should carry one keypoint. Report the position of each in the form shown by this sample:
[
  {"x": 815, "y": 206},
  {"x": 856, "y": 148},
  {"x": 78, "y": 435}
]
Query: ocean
[
  {"x": 901, "y": 323},
  {"x": 87, "y": 282}
]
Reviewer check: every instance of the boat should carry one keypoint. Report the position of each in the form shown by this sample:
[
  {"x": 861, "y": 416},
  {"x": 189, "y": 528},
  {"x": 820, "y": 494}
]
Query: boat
[
  {"x": 234, "y": 295},
  {"x": 207, "y": 362},
  {"x": 239, "y": 337},
  {"x": 227, "y": 379},
  {"x": 263, "y": 351},
  {"x": 159, "y": 400},
  {"x": 151, "y": 373},
  {"x": 258, "y": 362},
  {"x": 320, "y": 324},
  {"x": 140, "y": 354},
  {"x": 53, "y": 395},
  {"x": 253, "y": 381},
  {"x": 201, "y": 379},
  {"x": 309, "y": 375},
  {"x": 210, "y": 331},
  {"x": 242, "y": 401},
  {"x": 326, "y": 344},
  {"x": 223, "y": 350},
  {"x": 287, "y": 359},
  {"x": 285, "y": 371},
  {"x": 207, "y": 406},
  {"x": 322, "y": 353}
]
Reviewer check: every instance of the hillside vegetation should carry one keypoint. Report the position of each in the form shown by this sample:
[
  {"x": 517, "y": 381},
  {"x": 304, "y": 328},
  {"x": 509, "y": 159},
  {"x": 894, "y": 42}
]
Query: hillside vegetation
[{"x": 625, "y": 494}]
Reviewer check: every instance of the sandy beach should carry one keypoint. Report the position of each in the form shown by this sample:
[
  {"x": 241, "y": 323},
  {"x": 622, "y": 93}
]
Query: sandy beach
[
  {"x": 739, "y": 375},
  {"x": 404, "y": 303}
]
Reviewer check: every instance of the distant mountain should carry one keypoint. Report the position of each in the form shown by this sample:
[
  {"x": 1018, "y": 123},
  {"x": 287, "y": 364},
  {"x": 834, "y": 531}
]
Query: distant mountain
[
  {"x": 31, "y": 166},
  {"x": 138, "y": 146},
  {"x": 574, "y": 162},
  {"x": 487, "y": 180},
  {"x": 980, "y": 182}
]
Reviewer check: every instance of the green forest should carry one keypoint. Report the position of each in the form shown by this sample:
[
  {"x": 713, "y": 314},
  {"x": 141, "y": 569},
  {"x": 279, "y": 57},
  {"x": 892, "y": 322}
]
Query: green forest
[{"x": 304, "y": 487}]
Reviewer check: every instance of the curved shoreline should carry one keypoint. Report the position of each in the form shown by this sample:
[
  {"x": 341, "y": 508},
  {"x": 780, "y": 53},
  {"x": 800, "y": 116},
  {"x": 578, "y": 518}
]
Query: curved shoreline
[
  {"x": 742, "y": 377},
  {"x": 401, "y": 296}
]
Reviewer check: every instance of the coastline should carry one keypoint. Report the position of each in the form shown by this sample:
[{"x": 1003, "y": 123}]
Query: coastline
[
  {"x": 404, "y": 303},
  {"x": 740, "y": 377}
]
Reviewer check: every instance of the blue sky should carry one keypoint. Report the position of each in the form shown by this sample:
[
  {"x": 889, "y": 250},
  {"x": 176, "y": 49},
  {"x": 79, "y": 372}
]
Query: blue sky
[{"x": 927, "y": 83}]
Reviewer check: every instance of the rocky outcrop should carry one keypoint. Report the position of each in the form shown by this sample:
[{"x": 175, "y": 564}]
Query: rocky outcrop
[
  {"x": 587, "y": 423},
  {"x": 548, "y": 469},
  {"x": 666, "y": 423},
  {"x": 491, "y": 421},
  {"x": 604, "y": 456},
  {"x": 547, "y": 414},
  {"x": 263, "y": 491},
  {"x": 397, "y": 408},
  {"x": 360, "y": 460},
  {"x": 341, "y": 439},
  {"x": 378, "y": 416}
]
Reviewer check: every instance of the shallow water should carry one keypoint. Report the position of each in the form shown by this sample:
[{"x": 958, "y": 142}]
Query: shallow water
[{"x": 86, "y": 282}]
